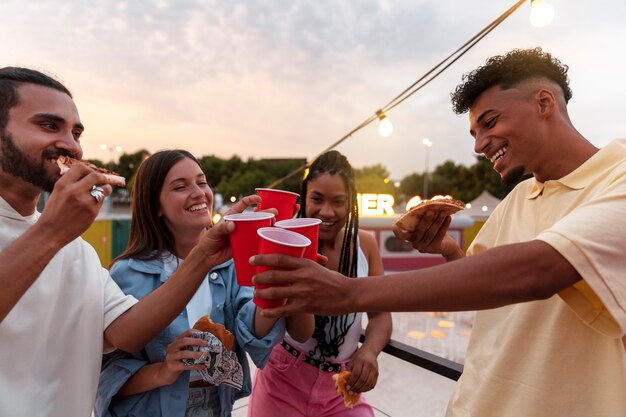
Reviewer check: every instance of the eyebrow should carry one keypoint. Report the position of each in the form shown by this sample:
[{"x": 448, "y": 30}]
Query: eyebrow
[
  {"x": 56, "y": 118},
  {"x": 201, "y": 175}
]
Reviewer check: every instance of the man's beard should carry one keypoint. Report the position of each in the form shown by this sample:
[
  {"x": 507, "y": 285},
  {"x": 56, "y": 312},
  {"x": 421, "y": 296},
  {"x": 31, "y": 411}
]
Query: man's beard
[
  {"x": 514, "y": 175},
  {"x": 18, "y": 164}
]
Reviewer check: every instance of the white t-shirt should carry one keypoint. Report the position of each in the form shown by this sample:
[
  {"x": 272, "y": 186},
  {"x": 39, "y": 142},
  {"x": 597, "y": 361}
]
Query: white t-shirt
[
  {"x": 199, "y": 305},
  {"x": 51, "y": 342},
  {"x": 201, "y": 302},
  {"x": 351, "y": 341}
]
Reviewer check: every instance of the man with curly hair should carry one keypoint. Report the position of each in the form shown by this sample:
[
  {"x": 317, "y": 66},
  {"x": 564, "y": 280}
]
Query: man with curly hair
[{"x": 545, "y": 271}]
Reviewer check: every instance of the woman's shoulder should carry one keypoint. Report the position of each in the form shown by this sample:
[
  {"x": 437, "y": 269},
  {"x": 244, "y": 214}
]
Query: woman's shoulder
[
  {"x": 367, "y": 240},
  {"x": 369, "y": 247},
  {"x": 128, "y": 271},
  {"x": 119, "y": 267}
]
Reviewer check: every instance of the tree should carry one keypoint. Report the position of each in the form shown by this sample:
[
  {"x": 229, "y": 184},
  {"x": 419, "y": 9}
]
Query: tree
[
  {"x": 129, "y": 163},
  {"x": 485, "y": 178},
  {"x": 243, "y": 183},
  {"x": 214, "y": 168},
  {"x": 374, "y": 179},
  {"x": 411, "y": 185}
]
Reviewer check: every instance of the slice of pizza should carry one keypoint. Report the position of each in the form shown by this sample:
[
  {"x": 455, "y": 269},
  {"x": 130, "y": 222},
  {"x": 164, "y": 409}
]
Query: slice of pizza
[
  {"x": 446, "y": 204},
  {"x": 113, "y": 178},
  {"x": 340, "y": 385}
]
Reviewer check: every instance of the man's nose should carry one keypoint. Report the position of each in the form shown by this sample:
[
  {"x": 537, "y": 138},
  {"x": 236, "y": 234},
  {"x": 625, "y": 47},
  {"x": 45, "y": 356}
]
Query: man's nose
[
  {"x": 480, "y": 144},
  {"x": 69, "y": 143}
]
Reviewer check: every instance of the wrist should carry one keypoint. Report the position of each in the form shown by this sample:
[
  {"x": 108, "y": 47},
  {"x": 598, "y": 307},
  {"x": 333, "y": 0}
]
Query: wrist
[
  {"x": 352, "y": 295},
  {"x": 452, "y": 252},
  {"x": 50, "y": 234},
  {"x": 163, "y": 376},
  {"x": 200, "y": 258}
]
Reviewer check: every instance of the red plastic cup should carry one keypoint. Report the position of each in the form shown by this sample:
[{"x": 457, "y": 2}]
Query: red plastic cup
[
  {"x": 277, "y": 240},
  {"x": 306, "y": 226},
  {"x": 244, "y": 242},
  {"x": 283, "y": 201}
]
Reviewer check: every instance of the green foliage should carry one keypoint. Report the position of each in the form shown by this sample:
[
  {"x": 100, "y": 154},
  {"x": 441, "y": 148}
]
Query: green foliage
[
  {"x": 234, "y": 177},
  {"x": 128, "y": 164},
  {"x": 243, "y": 183},
  {"x": 374, "y": 179},
  {"x": 412, "y": 184}
]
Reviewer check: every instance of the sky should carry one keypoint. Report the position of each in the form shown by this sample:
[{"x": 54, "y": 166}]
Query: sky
[{"x": 286, "y": 79}]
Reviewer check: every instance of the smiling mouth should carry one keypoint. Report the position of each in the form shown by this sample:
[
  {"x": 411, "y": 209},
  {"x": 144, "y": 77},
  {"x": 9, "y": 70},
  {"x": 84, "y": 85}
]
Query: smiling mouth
[
  {"x": 198, "y": 207},
  {"x": 498, "y": 155}
]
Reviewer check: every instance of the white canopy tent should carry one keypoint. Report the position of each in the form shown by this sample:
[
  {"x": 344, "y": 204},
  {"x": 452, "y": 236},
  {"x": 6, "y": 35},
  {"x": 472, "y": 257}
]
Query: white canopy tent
[{"x": 482, "y": 206}]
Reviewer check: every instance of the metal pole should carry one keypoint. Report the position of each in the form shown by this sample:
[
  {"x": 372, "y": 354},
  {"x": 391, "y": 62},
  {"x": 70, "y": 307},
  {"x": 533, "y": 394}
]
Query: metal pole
[{"x": 427, "y": 144}]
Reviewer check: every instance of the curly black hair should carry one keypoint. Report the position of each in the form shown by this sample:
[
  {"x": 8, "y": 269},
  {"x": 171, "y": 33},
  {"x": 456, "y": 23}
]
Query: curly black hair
[{"x": 508, "y": 70}]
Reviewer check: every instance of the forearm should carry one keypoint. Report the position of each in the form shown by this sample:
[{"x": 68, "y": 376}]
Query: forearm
[
  {"x": 300, "y": 326},
  {"x": 145, "y": 379},
  {"x": 377, "y": 332},
  {"x": 133, "y": 329},
  {"x": 262, "y": 325},
  {"x": 22, "y": 262},
  {"x": 497, "y": 277}
]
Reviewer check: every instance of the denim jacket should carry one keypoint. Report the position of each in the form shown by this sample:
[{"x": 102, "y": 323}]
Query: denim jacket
[{"x": 232, "y": 306}]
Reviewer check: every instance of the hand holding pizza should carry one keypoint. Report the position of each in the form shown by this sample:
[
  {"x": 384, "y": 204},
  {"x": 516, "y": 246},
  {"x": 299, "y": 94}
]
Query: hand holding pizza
[
  {"x": 71, "y": 208},
  {"x": 364, "y": 368},
  {"x": 426, "y": 226}
]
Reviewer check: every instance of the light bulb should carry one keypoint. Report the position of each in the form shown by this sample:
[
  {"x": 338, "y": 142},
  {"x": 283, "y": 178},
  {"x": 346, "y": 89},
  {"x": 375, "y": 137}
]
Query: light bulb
[
  {"x": 385, "y": 128},
  {"x": 541, "y": 13}
]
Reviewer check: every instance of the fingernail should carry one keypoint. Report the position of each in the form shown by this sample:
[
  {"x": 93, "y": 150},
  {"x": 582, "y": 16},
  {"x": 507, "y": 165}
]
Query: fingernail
[{"x": 251, "y": 260}]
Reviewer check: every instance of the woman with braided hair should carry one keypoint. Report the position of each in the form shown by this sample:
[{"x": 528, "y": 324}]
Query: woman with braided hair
[{"x": 297, "y": 380}]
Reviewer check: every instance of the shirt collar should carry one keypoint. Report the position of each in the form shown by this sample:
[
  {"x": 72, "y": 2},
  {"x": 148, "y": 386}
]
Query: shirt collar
[
  {"x": 6, "y": 210},
  {"x": 582, "y": 176}
]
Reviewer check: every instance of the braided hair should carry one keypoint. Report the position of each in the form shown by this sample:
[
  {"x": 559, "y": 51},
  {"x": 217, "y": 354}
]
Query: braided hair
[{"x": 330, "y": 331}]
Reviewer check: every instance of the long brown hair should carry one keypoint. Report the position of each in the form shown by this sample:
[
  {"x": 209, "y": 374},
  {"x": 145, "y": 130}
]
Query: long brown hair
[
  {"x": 330, "y": 332},
  {"x": 149, "y": 235}
]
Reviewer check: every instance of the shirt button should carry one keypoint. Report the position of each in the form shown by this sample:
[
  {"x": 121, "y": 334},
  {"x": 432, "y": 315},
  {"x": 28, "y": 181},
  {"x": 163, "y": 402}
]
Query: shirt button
[{"x": 214, "y": 276}]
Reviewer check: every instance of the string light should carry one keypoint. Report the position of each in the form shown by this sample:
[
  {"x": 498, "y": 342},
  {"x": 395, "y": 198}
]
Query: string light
[
  {"x": 541, "y": 13},
  {"x": 385, "y": 128}
]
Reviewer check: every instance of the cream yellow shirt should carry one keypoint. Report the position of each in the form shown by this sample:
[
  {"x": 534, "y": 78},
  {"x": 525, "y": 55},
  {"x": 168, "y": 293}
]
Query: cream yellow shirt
[{"x": 564, "y": 356}]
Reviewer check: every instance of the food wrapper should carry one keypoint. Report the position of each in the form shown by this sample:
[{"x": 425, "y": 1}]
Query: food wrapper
[{"x": 222, "y": 366}]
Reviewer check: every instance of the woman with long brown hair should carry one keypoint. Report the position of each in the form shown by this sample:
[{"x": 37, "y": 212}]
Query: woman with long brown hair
[{"x": 171, "y": 210}]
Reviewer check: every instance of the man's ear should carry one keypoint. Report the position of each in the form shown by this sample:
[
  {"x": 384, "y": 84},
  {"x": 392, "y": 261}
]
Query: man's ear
[{"x": 545, "y": 102}]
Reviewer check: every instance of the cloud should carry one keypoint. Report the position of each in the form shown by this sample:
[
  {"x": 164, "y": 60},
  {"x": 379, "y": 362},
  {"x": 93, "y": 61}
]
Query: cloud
[{"x": 288, "y": 78}]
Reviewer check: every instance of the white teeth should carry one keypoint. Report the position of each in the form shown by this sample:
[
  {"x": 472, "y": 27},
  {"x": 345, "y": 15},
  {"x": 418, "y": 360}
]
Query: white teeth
[
  {"x": 198, "y": 207},
  {"x": 498, "y": 155},
  {"x": 327, "y": 223}
]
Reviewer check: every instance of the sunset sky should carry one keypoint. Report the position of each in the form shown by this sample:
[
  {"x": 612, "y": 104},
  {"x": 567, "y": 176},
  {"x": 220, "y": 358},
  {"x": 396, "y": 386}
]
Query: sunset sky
[{"x": 278, "y": 78}]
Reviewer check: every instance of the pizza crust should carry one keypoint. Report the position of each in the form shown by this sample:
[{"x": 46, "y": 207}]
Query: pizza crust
[
  {"x": 340, "y": 385},
  {"x": 66, "y": 162},
  {"x": 409, "y": 220}
]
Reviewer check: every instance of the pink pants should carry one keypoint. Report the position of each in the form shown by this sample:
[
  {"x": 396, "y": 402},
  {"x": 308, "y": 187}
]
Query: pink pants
[{"x": 289, "y": 387}]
